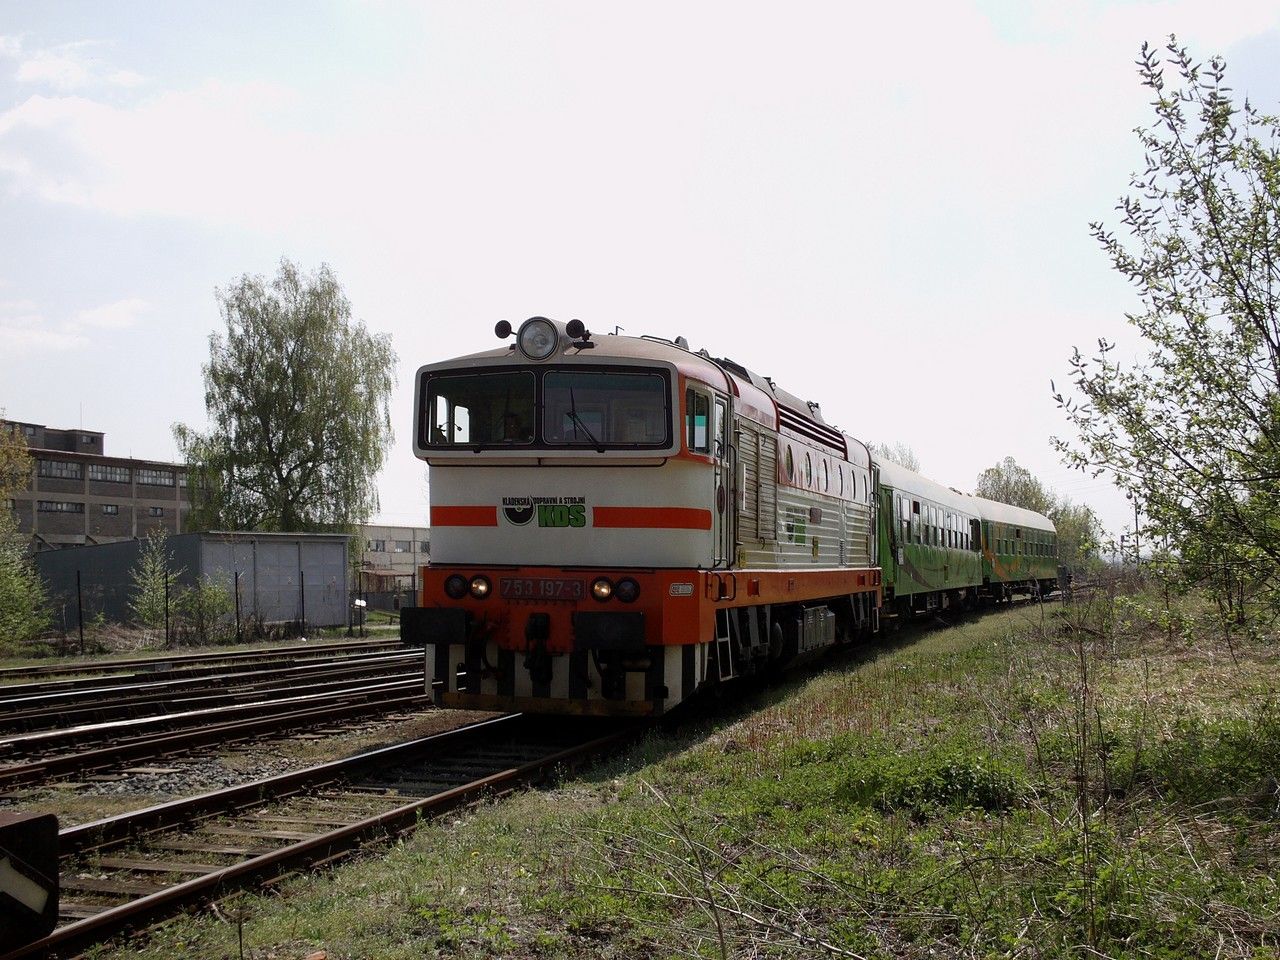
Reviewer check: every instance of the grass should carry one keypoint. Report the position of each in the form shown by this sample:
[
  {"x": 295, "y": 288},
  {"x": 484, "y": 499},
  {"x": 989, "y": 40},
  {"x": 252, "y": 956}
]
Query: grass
[{"x": 1043, "y": 782}]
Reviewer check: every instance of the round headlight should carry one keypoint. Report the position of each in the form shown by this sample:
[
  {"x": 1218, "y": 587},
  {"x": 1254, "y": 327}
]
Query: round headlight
[
  {"x": 602, "y": 589},
  {"x": 479, "y": 587},
  {"x": 456, "y": 586},
  {"x": 538, "y": 338},
  {"x": 627, "y": 590}
]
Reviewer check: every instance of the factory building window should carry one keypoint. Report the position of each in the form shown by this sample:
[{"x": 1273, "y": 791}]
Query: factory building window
[
  {"x": 403, "y": 546},
  {"x": 110, "y": 509},
  {"x": 377, "y": 546},
  {"x": 59, "y": 506},
  {"x": 155, "y": 511},
  {"x": 156, "y": 478},
  {"x": 63, "y": 469},
  {"x": 424, "y": 546},
  {"x": 108, "y": 474}
]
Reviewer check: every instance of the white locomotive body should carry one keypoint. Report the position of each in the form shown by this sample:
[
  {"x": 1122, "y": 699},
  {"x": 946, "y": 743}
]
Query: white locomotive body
[{"x": 617, "y": 522}]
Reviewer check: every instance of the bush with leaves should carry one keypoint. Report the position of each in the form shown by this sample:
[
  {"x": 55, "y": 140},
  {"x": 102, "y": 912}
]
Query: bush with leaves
[
  {"x": 24, "y": 612},
  {"x": 204, "y": 611},
  {"x": 153, "y": 582}
]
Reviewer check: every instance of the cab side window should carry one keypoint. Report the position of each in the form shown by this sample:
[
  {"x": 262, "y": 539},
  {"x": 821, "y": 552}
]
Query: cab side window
[{"x": 697, "y": 413}]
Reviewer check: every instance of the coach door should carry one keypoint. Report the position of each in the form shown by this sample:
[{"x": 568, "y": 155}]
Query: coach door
[{"x": 725, "y": 456}]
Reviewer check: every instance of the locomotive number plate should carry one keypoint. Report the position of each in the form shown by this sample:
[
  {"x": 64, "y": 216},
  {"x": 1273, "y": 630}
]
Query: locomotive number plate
[{"x": 540, "y": 588}]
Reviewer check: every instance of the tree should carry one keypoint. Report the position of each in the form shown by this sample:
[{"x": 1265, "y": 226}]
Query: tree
[
  {"x": 153, "y": 581},
  {"x": 1192, "y": 430},
  {"x": 24, "y": 612},
  {"x": 298, "y": 396},
  {"x": 1079, "y": 534},
  {"x": 1008, "y": 482},
  {"x": 899, "y": 453}
]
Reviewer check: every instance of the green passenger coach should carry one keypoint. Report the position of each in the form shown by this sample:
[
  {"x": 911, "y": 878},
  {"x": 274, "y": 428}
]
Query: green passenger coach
[
  {"x": 942, "y": 549},
  {"x": 929, "y": 542},
  {"x": 1019, "y": 551}
]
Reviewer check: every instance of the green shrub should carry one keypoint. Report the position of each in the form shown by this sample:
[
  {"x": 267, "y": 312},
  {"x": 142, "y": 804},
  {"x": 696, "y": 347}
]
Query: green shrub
[{"x": 920, "y": 782}]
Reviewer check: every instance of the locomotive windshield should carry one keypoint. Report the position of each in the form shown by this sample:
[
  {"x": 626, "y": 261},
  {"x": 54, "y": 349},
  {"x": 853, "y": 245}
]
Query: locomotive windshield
[
  {"x": 604, "y": 408},
  {"x": 594, "y": 408},
  {"x": 480, "y": 409}
]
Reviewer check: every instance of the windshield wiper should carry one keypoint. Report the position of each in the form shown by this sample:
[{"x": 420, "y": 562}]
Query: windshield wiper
[{"x": 579, "y": 422}]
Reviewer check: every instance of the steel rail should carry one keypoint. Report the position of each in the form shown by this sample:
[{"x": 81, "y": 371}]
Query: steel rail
[
  {"x": 105, "y": 666},
  {"x": 19, "y": 691},
  {"x": 168, "y": 698},
  {"x": 82, "y": 933},
  {"x": 24, "y": 744},
  {"x": 167, "y": 744}
]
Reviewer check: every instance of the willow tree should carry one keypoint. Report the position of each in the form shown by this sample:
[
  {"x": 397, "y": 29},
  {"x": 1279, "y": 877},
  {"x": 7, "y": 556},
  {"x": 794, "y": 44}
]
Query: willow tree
[
  {"x": 298, "y": 397},
  {"x": 1192, "y": 429}
]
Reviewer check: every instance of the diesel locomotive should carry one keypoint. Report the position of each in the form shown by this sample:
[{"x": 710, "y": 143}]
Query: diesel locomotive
[{"x": 618, "y": 522}]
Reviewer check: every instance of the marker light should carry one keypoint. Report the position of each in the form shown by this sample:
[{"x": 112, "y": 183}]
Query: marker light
[
  {"x": 627, "y": 590},
  {"x": 456, "y": 586},
  {"x": 479, "y": 587},
  {"x": 538, "y": 338},
  {"x": 602, "y": 589}
]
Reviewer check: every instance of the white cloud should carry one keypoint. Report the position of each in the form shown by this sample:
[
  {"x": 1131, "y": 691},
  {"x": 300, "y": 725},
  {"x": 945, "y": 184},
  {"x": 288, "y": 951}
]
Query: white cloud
[
  {"x": 25, "y": 330},
  {"x": 65, "y": 67},
  {"x": 113, "y": 316}
]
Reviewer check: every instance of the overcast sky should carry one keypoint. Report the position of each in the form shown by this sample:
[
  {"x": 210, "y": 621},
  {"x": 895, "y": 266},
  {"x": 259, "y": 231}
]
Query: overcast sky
[{"x": 883, "y": 208}]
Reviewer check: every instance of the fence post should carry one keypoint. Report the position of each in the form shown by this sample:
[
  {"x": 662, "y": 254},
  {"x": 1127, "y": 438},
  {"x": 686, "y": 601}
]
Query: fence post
[
  {"x": 80, "y": 612},
  {"x": 302, "y": 608},
  {"x": 239, "y": 630},
  {"x": 166, "y": 609}
]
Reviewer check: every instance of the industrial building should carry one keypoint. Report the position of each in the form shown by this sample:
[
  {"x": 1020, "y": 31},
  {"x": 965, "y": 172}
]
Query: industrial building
[{"x": 79, "y": 496}]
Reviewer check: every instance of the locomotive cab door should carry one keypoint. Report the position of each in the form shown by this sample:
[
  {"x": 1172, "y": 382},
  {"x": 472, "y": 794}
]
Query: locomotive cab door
[{"x": 724, "y": 511}]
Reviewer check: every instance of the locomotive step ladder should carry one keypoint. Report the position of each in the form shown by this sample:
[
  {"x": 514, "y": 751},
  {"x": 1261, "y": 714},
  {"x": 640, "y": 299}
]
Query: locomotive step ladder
[{"x": 724, "y": 646}]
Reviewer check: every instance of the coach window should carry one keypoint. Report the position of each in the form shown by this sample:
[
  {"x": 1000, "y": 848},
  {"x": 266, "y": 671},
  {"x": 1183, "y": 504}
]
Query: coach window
[
  {"x": 791, "y": 464},
  {"x": 697, "y": 410},
  {"x": 826, "y": 476},
  {"x": 808, "y": 470},
  {"x": 840, "y": 475}
]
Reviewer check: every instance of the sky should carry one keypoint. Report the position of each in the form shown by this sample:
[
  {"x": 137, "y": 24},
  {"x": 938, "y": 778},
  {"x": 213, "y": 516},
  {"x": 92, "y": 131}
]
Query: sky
[{"x": 884, "y": 209}]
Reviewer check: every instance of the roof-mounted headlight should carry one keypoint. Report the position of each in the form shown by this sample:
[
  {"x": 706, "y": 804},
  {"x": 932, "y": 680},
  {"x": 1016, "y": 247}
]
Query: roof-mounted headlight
[{"x": 538, "y": 338}]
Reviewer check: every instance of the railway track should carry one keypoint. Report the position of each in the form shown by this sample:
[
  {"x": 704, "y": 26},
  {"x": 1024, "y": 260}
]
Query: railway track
[
  {"x": 23, "y": 709},
  {"x": 56, "y": 729},
  {"x": 283, "y": 654},
  {"x": 128, "y": 871},
  {"x": 132, "y": 743}
]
